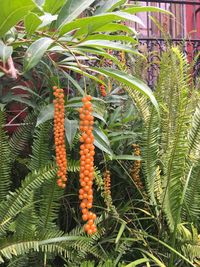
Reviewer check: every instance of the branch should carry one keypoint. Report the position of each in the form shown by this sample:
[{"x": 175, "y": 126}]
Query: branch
[{"x": 12, "y": 71}]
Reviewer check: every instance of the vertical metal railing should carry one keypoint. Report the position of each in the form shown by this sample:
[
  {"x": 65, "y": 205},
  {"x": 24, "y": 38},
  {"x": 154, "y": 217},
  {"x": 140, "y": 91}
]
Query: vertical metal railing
[{"x": 182, "y": 30}]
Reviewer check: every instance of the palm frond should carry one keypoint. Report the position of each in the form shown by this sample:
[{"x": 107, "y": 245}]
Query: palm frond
[{"x": 5, "y": 161}]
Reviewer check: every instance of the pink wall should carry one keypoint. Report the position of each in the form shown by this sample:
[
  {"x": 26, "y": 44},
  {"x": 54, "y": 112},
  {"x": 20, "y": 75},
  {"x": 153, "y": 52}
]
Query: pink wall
[{"x": 191, "y": 20}]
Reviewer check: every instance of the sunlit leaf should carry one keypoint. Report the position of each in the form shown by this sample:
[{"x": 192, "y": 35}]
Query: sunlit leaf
[
  {"x": 31, "y": 22},
  {"x": 12, "y": 11},
  {"x": 71, "y": 127},
  {"x": 47, "y": 113},
  {"x": 35, "y": 52},
  {"x": 71, "y": 10}
]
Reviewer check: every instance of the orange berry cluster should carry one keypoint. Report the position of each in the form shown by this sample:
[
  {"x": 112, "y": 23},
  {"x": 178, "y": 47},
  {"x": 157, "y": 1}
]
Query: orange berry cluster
[
  {"x": 135, "y": 172},
  {"x": 103, "y": 90},
  {"x": 102, "y": 87},
  {"x": 59, "y": 136},
  {"x": 87, "y": 152}
]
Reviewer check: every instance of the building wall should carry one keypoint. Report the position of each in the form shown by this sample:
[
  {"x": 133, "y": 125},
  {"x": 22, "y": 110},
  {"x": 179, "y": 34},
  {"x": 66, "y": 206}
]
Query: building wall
[{"x": 186, "y": 23}]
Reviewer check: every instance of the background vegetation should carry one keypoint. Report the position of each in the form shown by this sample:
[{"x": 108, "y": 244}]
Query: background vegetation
[{"x": 149, "y": 141}]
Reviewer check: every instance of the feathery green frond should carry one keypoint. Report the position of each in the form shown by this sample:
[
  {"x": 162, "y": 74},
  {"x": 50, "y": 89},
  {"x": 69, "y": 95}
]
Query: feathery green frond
[
  {"x": 49, "y": 205},
  {"x": 17, "y": 201},
  {"x": 5, "y": 161},
  {"x": 191, "y": 210},
  {"x": 26, "y": 221},
  {"x": 21, "y": 136},
  {"x": 194, "y": 136},
  {"x": 21, "y": 261},
  {"x": 150, "y": 158},
  {"x": 10, "y": 249},
  {"x": 40, "y": 148},
  {"x": 178, "y": 146},
  {"x": 73, "y": 165}
]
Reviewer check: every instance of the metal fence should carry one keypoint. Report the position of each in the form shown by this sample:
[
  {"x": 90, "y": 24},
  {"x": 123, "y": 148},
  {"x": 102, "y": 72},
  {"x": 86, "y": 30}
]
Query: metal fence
[{"x": 182, "y": 30}]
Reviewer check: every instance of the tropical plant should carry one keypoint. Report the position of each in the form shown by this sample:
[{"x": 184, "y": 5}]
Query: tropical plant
[{"x": 80, "y": 47}]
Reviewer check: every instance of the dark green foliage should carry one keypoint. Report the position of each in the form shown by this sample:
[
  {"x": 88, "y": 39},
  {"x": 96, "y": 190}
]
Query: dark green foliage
[
  {"x": 22, "y": 135},
  {"x": 5, "y": 160},
  {"x": 41, "y": 152},
  {"x": 16, "y": 201}
]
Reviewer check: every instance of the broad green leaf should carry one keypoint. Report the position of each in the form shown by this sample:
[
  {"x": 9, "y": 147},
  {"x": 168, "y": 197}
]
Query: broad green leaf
[
  {"x": 96, "y": 24},
  {"x": 99, "y": 52},
  {"x": 155, "y": 259},
  {"x": 12, "y": 11},
  {"x": 5, "y": 52},
  {"x": 101, "y": 134},
  {"x": 46, "y": 113},
  {"x": 27, "y": 89},
  {"x": 121, "y": 230},
  {"x": 122, "y": 137},
  {"x": 115, "y": 37},
  {"x": 52, "y": 6},
  {"x": 71, "y": 127},
  {"x": 78, "y": 58},
  {"x": 137, "y": 9},
  {"x": 125, "y": 157},
  {"x": 102, "y": 146},
  {"x": 130, "y": 81},
  {"x": 109, "y": 45},
  {"x": 109, "y": 5},
  {"x": 137, "y": 262},
  {"x": 35, "y": 52},
  {"x": 91, "y": 24},
  {"x": 116, "y": 27},
  {"x": 22, "y": 99},
  {"x": 84, "y": 73},
  {"x": 101, "y": 141},
  {"x": 39, "y": 2},
  {"x": 31, "y": 23},
  {"x": 71, "y": 10},
  {"x": 74, "y": 82},
  {"x": 98, "y": 116},
  {"x": 47, "y": 19}
]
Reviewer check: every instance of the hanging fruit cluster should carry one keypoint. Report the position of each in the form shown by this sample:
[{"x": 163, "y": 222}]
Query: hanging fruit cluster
[
  {"x": 103, "y": 90},
  {"x": 102, "y": 87},
  {"x": 87, "y": 152},
  {"x": 59, "y": 136},
  {"x": 122, "y": 58},
  {"x": 106, "y": 176},
  {"x": 135, "y": 172},
  {"x": 107, "y": 188}
]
